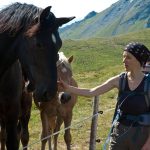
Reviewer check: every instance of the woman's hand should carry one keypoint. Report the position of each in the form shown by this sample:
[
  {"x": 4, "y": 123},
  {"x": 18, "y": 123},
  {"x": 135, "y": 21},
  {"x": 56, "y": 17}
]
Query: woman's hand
[{"x": 62, "y": 86}]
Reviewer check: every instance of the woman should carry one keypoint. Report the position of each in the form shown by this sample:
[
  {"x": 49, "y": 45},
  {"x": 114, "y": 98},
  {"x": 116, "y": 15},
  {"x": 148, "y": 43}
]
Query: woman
[{"x": 127, "y": 134}]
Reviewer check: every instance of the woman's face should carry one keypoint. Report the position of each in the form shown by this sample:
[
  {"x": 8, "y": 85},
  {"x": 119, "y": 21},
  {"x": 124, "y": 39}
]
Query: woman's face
[{"x": 130, "y": 62}]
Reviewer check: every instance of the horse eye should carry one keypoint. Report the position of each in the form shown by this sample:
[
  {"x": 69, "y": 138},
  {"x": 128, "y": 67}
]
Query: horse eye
[{"x": 54, "y": 38}]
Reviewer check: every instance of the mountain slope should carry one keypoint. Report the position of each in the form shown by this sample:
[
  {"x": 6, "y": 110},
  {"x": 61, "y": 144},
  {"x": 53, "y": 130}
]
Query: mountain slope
[
  {"x": 121, "y": 17},
  {"x": 96, "y": 54}
]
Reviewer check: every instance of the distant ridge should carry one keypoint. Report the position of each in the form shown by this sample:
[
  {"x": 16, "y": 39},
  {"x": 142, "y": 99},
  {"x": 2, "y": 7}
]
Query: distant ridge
[
  {"x": 90, "y": 15},
  {"x": 121, "y": 17}
]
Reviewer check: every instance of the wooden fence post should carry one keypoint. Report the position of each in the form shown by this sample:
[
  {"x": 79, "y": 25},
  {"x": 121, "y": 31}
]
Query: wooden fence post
[{"x": 93, "y": 133}]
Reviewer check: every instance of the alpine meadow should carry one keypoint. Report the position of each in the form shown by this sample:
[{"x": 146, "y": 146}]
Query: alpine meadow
[
  {"x": 34, "y": 107},
  {"x": 95, "y": 60}
]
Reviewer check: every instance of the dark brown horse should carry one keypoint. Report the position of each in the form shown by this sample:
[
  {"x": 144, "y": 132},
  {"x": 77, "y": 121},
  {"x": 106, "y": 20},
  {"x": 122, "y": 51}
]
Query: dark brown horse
[
  {"x": 24, "y": 116},
  {"x": 55, "y": 112},
  {"x": 28, "y": 34},
  {"x": 10, "y": 95}
]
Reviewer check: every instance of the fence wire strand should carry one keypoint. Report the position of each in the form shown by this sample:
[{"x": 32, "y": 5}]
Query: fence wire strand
[{"x": 64, "y": 129}]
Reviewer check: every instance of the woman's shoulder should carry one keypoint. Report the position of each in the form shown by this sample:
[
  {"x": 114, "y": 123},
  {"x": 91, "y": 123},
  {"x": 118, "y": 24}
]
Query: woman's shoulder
[
  {"x": 117, "y": 77},
  {"x": 115, "y": 80}
]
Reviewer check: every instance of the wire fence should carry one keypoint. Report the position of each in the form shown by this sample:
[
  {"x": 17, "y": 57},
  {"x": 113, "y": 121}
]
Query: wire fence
[{"x": 79, "y": 128}]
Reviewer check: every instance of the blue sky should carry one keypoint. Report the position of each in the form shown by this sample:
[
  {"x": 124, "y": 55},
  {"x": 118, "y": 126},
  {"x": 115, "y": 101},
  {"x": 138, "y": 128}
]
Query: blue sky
[{"x": 67, "y": 8}]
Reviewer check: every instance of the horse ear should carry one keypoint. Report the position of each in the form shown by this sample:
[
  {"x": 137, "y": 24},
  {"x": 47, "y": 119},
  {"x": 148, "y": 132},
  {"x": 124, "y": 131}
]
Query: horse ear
[
  {"x": 63, "y": 20},
  {"x": 70, "y": 59},
  {"x": 45, "y": 13}
]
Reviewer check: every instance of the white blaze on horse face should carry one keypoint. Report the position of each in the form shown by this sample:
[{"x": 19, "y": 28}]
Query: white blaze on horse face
[
  {"x": 64, "y": 70},
  {"x": 53, "y": 38}
]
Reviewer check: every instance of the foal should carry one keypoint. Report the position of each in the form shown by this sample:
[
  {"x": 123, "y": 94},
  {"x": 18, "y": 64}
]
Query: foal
[{"x": 59, "y": 110}]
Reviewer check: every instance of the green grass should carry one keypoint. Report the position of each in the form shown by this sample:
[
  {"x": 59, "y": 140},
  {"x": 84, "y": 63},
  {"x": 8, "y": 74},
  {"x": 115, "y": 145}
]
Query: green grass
[{"x": 95, "y": 60}]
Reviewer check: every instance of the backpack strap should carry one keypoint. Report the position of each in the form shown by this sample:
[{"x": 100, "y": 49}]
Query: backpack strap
[
  {"x": 147, "y": 90},
  {"x": 122, "y": 83}
]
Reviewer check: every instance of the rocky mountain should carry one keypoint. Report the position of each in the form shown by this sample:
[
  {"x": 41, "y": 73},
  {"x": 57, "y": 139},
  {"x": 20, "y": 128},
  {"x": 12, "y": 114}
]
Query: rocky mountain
[
  {"x": 90, "y": 15},
  {"x": 121, "y": 17}
]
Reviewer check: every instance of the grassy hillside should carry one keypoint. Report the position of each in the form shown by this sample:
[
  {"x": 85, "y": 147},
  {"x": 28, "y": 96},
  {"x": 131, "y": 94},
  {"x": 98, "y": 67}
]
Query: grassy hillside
[
  {"x": 100, "y": 55},
  {"x": 95, "y": 60},
  {"x": 122, "y": 17}
]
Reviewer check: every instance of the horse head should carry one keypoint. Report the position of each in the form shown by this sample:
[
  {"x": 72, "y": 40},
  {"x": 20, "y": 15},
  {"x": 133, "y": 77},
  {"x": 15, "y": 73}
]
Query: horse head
[
  {"x": 38, "y": 54},
  {"x": 64, "y": 69}
]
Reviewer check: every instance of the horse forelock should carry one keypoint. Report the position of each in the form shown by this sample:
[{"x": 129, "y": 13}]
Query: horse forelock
[
  {"x": 63, "y": 59},
  {"x": 18, "y": 17}
]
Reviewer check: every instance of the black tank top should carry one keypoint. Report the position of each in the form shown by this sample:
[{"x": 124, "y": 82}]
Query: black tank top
[{"x": 133, "y": 102}]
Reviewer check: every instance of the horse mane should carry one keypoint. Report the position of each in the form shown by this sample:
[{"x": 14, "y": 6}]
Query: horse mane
[
  {"x": 63, "y": 59},
  {"x": 18, "y": 17}
]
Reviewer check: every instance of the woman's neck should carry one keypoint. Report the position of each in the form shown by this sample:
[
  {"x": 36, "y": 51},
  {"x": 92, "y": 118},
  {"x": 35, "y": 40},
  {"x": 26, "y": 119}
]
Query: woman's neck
[{"x": 135, "y": 75}]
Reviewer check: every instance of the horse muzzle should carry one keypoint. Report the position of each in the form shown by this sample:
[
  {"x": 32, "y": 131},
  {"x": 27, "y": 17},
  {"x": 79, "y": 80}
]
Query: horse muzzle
[{"x": 44, "y": 96}]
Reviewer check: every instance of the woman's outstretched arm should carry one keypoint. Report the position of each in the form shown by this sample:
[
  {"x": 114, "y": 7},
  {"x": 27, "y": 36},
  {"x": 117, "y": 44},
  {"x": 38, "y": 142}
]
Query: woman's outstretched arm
[{"x": 98, "y": 90}]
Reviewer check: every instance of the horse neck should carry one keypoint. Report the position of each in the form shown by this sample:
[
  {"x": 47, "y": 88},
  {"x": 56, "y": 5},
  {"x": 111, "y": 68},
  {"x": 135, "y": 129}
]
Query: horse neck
[{"x": 8, "y": 55}]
